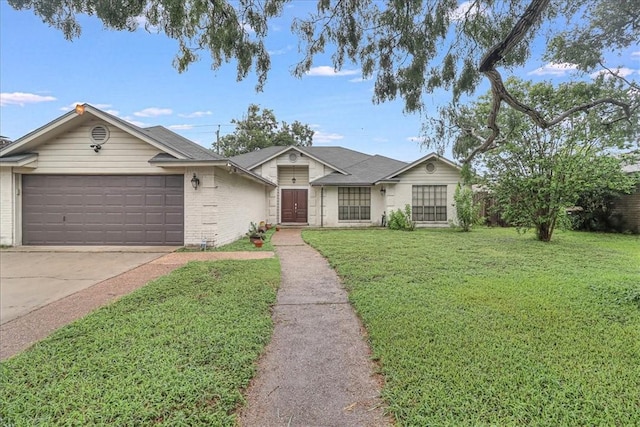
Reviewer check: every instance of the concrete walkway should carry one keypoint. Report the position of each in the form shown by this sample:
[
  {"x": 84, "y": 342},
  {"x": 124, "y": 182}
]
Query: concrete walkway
[{"x": 317, "y": 369}]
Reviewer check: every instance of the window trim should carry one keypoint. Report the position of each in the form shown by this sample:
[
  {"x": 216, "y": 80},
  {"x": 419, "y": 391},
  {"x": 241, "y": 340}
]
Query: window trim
[
  {"x": 434, "y": 203},
  {"x": 358, "y": 204}
]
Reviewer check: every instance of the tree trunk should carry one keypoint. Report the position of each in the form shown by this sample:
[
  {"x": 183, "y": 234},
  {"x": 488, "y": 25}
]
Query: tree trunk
[{"x": 544, "y": 231}]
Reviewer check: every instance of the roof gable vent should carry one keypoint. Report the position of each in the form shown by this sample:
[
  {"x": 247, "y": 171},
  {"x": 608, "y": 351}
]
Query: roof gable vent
[{"x": 99, "y": 134}]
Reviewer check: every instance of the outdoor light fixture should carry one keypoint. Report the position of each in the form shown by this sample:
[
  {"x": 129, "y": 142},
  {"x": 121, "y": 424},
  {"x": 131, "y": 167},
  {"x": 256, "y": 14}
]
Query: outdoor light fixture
[
  {"x": 383, "y": 191},
  {"x": 195, "y": 182},
  {"x": 293, "y": 180}
]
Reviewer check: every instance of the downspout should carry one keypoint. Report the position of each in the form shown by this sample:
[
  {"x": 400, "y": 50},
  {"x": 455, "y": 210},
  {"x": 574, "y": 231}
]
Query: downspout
[{"x": 322, "y": 206}]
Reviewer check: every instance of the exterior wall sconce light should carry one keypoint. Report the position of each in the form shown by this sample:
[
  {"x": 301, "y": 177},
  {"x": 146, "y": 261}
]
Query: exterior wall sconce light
[
  {"x": 293, "y": 180},
  {"x": 383, "y": 191},
  {"x": 195, "y": 182}
]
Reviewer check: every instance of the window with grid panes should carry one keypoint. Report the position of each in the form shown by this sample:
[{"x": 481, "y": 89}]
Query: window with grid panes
[
  {"x": 354, "y": 203},
  {"x": 429, "y": 203}
]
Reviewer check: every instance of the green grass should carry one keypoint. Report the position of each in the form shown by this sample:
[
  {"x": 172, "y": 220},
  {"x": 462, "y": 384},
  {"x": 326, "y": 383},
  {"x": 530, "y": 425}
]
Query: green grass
[
  {"x": 243, "y": 244},
  {"x": 178, "y": 351},
  {"x": 495, "y": 328}
]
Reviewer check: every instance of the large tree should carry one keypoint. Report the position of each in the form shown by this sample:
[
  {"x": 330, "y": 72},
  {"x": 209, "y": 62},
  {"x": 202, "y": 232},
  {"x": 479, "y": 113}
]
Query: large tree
[
  {"x": 535, "y": 173},
  {"x": 260, "y": 129},
  {"x": 411, "y": 47}
]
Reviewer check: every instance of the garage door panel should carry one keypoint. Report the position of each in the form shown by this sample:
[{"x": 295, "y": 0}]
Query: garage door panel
[{"x": 111, "y": 210}]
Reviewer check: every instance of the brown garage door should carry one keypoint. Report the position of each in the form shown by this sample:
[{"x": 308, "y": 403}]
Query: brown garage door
[{"x": 102, "y": 210}]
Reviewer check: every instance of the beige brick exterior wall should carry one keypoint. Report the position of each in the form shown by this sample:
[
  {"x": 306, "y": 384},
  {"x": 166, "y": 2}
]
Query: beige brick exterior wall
[
  {"x": 7, "y": 207},
  {"x": 400, "y": 194},
  {"x": 200, "y": 207},
  {"x": 239, "y": 201}
]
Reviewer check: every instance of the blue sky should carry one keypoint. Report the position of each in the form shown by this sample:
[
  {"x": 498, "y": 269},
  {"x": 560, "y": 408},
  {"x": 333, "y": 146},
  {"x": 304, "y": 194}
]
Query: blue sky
[{"x": 42, "y": 76}]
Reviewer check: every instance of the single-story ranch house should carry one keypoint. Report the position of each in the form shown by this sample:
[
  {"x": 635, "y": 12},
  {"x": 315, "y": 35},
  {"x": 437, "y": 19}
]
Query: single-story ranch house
[{"x": 91, "y": 178}]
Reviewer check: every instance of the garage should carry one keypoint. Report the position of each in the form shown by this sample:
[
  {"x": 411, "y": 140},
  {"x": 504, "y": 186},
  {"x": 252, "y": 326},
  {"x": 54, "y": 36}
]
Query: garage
[{"x": 102, "y": 209}]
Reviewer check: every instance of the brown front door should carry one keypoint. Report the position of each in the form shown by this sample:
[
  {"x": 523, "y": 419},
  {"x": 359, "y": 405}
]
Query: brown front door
[{"x": 294, "y": 206}]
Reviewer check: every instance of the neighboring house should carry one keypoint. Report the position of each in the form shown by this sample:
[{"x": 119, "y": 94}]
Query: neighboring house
[
  {"x": 90, "y": 178},
  {"x": 628, "y": 205},
  {"x": 4, "y": 141}
]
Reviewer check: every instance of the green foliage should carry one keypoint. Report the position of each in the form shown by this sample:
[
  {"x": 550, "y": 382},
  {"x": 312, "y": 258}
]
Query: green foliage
[
  {"x": 536, "y": 174},
  {"x": 467, "y": 212},
  {"x": 413, "y": 47},
  {"x": 594, "y": 212},
  {"x": 514, "y": 332},
  {"x": 178, "y": 351},
  {"x": 401, "y": 219},
  {"x": 260, "y": 130}
]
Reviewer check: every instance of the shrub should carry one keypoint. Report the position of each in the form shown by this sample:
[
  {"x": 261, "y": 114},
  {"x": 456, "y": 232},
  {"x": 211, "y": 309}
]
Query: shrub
[
  {"x": 401, "y": 219},
  {"x": 467, "y": 212}
]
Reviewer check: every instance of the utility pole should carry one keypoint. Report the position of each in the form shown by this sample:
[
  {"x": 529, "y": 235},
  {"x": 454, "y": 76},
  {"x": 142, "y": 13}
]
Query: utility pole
[{"x": 218, "y": 140}]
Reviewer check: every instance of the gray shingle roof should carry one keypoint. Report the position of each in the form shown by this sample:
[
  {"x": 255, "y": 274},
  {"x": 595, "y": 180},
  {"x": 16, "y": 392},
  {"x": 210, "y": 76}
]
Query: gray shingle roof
[
  {"x": 179, "y": 143},
  {"x": 254, "y": 158},
  {"x": 366, "y": 172},
  {"x": 340, "y": 157},
  {"x": 360, "y": 168}
]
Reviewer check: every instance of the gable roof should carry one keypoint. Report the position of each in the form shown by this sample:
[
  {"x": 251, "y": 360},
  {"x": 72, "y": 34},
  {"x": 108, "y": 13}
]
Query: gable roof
[
  {"x": 392, "y": 176},
  {"x": 338, "y": 158},
  {"x": 157, "y": 136},
  {"x": 366, "y": 172},
  {"x": 256, "y": 158},
  {"x": 189, "y": 148}
]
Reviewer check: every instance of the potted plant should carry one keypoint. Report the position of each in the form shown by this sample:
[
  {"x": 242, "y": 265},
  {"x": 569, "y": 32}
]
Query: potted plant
[{"x": 256, "y": 235}]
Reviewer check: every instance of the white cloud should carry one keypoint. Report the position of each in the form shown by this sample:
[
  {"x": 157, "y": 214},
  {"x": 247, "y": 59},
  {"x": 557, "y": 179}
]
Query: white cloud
[
  {"x": 196, "y": 114},
  {"x": 326, "y": 71},
  {"x": 622, "y": 72},
  {"x": 181, "y": 127},
  {"x": 320, "y": 137},
  {"x": 554, "y": 69},
  {"x": 141, "y": 21},
  {"x": 248, "y": 28},
  {"x": 415, "y": 139},
  {"x": 635, "y": 54},
  {"x": 22, "y": 98},
  {"x": 465, "y": 8},
  {"x": 103, "y": 107},
  {"x": 153, "y": 112}
]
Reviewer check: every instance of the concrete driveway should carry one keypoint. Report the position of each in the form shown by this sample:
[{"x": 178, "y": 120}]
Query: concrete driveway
[{"x": 33, "y": 277}]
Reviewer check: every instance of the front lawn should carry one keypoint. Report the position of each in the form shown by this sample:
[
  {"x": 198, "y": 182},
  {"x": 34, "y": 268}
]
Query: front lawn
[
  {"x": 495, "y": 328},
  {"x": 178, "y": 351}
]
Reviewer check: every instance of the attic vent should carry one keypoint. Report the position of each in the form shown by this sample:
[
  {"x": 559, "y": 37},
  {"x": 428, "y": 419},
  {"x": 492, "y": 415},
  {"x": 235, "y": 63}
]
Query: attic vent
[
  {"x": 99, "y": 134},
  {"x": 293, "y": 157},
  {"x": 430, "y": 167}
]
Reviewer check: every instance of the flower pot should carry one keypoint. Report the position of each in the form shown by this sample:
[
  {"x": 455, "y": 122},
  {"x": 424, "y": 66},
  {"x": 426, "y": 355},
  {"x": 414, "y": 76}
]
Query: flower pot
[{"x": 258, "y": 243}]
